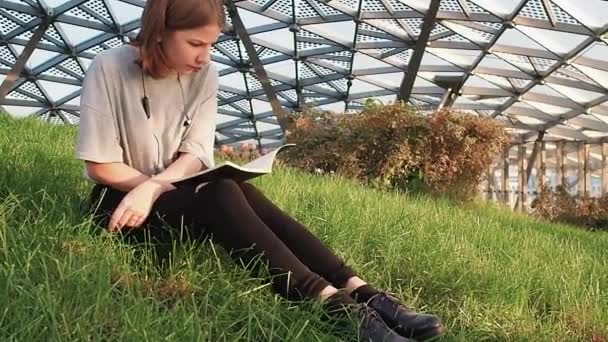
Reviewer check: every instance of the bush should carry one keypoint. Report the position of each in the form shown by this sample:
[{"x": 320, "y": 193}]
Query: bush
[
  {"x": 561, "y": 206},
  {"x": 392, "y": 146},
  {"x": 461, "y": 147},
  {"x": 243, "y": 153}
]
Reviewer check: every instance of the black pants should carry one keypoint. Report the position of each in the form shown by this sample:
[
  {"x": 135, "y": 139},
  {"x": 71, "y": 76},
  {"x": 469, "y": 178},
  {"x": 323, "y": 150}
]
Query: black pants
[{"x": 246, "y": 224}]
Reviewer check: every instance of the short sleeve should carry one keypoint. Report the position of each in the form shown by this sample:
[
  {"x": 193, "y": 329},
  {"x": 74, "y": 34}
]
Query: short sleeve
[
  {"x": 97, "y": 134},
  {"x": 200, "y": 138}
]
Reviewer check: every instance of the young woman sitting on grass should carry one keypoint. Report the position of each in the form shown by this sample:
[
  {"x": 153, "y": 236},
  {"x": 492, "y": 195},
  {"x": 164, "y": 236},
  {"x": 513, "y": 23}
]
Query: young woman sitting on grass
[{"x": 148, "y": 116}]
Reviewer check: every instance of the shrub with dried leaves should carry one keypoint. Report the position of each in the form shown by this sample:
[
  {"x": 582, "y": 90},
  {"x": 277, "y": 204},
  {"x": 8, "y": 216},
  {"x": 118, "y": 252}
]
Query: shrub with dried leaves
[
  {"x": 392, "y": 146},
  {"x": 560, "y": 206},
  {"x": 244, "y": 152}
]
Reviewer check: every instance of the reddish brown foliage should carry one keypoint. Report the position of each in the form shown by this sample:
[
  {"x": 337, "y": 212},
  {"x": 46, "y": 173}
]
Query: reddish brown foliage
[
  {"x": 244, "y": 152},
  {"x": 393, "y": 146},
  {"x": 561, "y": 206}
]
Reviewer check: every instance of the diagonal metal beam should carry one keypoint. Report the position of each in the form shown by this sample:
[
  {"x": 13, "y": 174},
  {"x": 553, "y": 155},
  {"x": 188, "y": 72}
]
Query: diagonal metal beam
[
  {"x": 20, "y": 8},
  {"x": 240, "y": 29},
  {"x": 486, "y": 50},
  {"x": 412, "y": 67},
  {"x": 63, "y": 117},
  {"x": 531, "y": 161},
  {"x": 544, "y": 24},
  {"x": 248, "y": 99},
  {"x": 570, "y": 58},
  {"x": 20, "y": 30},
  {"x": 321, "y": 88},
  {"x": 17, "y": 68},
  {"x": 110, "y": 10},
  {"x": 350, "y": 77},
  {"x": 66, "y": 7},
  {"x": 295, "y": 29},
  {"x": 465, "y": 8},
  {"x": 549, "y": 9},
  {"x": 138, "y": 3}
]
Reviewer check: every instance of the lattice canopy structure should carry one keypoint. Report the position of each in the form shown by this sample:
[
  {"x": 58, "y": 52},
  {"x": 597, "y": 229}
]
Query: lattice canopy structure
[{"x": 539, "y": 65}]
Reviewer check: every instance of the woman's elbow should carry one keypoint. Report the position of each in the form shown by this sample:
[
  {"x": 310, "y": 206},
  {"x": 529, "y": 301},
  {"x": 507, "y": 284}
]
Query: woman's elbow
[{"x": 96, "y": 170}]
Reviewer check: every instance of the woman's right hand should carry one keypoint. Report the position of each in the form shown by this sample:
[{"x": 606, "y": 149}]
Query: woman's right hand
[{"x": 136, "y": 205}]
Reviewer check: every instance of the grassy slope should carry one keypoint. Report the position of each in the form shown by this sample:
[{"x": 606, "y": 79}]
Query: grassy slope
[{"x": 490, "y": 274}]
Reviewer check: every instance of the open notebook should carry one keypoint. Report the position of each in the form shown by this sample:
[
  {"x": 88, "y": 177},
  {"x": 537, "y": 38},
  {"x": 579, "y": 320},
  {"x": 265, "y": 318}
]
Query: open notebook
[{"x": 227, "y": 169}]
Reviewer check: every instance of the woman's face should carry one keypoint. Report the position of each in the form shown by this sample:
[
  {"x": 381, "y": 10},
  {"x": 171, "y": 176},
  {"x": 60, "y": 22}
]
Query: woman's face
[{"x": 188, "y": 51}]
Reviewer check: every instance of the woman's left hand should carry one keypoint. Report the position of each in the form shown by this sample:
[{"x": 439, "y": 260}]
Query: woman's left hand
[{"x": 136, "y": 205}]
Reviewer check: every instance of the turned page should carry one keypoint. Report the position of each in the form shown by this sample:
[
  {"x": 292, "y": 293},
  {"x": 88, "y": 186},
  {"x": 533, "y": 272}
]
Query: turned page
[{"x": 264, "y": 163}]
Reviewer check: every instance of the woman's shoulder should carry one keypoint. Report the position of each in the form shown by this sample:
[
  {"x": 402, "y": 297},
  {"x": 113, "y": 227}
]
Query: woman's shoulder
[
  {"x": 207, "y": 77},
  {"x": 116, "y": 58}
]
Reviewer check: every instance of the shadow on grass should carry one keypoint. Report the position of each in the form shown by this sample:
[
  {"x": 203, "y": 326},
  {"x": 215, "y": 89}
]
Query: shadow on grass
[{"x": 33, "y": 175}]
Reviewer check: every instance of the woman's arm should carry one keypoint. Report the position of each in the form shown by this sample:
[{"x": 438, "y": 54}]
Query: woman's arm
[
  {"x": 125, "y": 178},
  {"x": 186, "y": 164},
  {"x": 142, "y": 190},
  {"x": 117, "y": 175}
]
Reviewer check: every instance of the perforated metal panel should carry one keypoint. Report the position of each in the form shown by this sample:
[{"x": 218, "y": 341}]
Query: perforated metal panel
[{"x": 510, "y": 59}]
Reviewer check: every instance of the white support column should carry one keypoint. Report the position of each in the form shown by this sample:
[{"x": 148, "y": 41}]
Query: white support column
[
  {"x": 489, "y": 183},
  {"x": 581, "y": 168},
  {"x": 604, "y": 175},
  {"x": 523, "y": 186},
  {"x": 587, "y": 168},
  {"x": 540, "y": 166},
  {"x": 505, "y": 176},
  {"x": 559, "y": 164}
]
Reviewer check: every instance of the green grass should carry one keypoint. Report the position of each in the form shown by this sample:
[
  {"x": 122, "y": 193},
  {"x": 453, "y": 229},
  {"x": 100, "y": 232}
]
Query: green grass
[{"x": 490, "y": 274}]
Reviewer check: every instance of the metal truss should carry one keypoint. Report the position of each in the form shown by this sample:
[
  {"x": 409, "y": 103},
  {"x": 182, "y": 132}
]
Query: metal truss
[{"x": 538, "y": 65}]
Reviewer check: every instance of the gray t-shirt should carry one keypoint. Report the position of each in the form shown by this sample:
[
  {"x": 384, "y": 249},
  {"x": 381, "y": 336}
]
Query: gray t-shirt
[{"x": 114, "y": 126}]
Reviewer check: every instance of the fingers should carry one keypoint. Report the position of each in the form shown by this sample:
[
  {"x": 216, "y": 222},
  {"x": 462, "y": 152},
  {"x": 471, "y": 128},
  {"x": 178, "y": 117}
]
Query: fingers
[
  {"x": 116, "y": 216},
  {"x": 125, "y": 217},
  {"x": 132, "y": 221},
  {"x": 141, "y": 220},
  {"x": 133, "y": 209},
  {"x": 135, "y": 221}
]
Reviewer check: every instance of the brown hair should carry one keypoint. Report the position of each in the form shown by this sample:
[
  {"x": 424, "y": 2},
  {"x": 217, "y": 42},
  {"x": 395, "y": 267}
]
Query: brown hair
[{"x": 162, "y": 16}]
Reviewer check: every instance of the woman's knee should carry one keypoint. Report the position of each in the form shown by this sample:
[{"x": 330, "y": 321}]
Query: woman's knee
[
  {"x": 219, "y": 189},
  {"x": 222, "y": 185},
  {"x": 247, "y": 187}
]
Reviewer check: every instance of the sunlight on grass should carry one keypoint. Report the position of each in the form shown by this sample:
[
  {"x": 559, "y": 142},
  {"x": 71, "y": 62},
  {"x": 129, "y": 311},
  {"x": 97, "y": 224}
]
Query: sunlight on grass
[{"x": 490, "y": 274}]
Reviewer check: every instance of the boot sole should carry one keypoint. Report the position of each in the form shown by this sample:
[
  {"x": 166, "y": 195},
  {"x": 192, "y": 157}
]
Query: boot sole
[{"x": 433, "y": 334}]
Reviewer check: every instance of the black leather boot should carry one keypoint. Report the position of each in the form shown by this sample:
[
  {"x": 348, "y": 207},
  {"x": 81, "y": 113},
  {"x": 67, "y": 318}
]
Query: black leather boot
[
  {"x": 374, "y": 329},
  {"x": 404, "y": 320}
]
